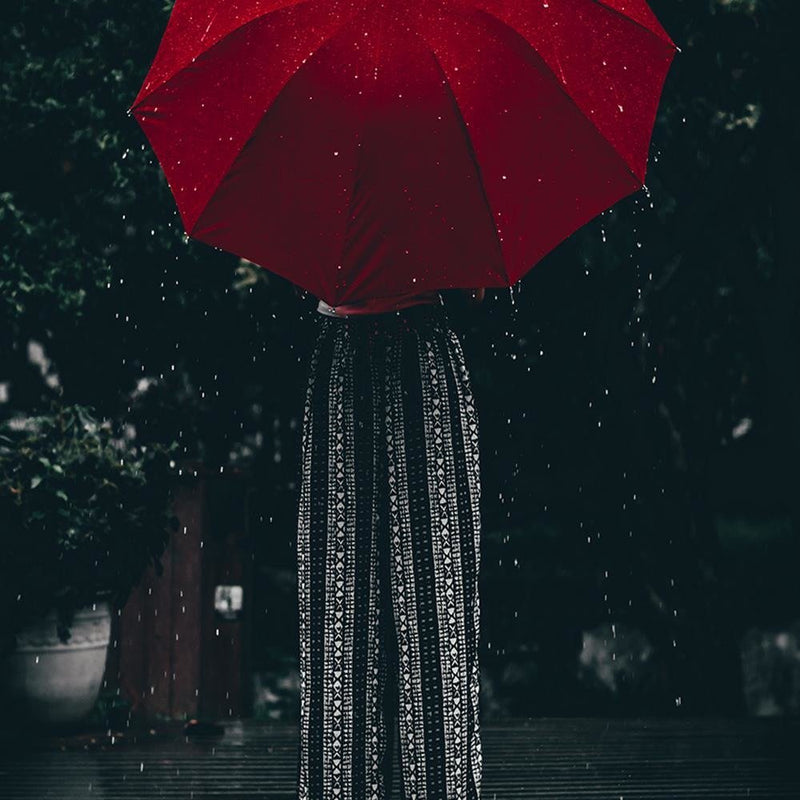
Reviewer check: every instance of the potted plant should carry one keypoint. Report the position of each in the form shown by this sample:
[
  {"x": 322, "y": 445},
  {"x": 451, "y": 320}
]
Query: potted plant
[{"x": 83, "y": 512}]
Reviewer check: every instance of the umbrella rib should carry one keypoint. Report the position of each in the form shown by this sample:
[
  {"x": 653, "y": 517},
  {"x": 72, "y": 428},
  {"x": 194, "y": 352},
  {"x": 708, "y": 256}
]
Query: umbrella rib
[
  {"x": 216, "y": 44},
  {"x": 545, "y": 68},
  {"x": 619, "y": 13},
  {"x": 471, "y": 152},
  {"x": 260, "y": 119}
]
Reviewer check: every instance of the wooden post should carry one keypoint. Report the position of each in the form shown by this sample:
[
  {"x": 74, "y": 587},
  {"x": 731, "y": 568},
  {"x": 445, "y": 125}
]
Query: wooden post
[{"x": 178, "y": 658}]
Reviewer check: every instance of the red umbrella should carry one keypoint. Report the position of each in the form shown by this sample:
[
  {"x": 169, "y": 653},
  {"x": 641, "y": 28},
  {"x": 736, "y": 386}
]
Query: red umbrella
[{"x": 366, "y": 149}]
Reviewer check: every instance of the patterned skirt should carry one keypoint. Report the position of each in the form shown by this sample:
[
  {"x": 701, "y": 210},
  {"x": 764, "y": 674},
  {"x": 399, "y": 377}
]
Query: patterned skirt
[{"x": 388, "y": 548}]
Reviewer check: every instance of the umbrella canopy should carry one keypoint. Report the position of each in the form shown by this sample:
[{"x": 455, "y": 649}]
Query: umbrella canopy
[{"x": 367, "y": 149}]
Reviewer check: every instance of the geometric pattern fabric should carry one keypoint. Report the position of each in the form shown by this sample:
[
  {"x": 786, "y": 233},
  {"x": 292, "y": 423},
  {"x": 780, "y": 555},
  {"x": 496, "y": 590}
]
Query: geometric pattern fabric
[{"x": 388, "y": 549}]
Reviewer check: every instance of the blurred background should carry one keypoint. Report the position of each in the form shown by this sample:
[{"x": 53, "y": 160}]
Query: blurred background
[{"x": 638, "y": 393}]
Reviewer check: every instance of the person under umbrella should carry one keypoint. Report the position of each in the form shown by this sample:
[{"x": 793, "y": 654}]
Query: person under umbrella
[{"x": 374, "y": 154}]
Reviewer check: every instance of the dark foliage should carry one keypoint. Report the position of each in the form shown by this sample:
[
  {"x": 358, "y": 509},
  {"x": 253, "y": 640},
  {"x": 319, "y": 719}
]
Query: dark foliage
[{"x": 84, "y": 514}]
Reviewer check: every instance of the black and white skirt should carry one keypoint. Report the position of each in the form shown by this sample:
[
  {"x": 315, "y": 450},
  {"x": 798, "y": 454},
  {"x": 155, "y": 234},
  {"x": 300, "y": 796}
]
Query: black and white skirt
[{"x": 388, "y": 547}]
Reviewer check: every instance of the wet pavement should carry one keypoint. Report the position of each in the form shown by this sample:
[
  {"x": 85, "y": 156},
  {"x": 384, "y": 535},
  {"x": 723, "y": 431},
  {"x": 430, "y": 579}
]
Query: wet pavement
[{"x": 618, "y": 759}]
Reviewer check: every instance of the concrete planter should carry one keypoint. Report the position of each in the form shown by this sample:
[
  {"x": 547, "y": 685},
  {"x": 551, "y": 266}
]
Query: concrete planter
[{"x": 48, "y": 682}]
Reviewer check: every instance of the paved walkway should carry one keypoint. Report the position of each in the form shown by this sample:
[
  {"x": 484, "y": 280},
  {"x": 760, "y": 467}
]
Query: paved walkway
[{"x": 569, "y": 758}]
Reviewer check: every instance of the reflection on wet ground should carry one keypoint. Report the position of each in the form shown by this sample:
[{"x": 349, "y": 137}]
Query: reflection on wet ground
[{"x": 619, "y": 759}]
